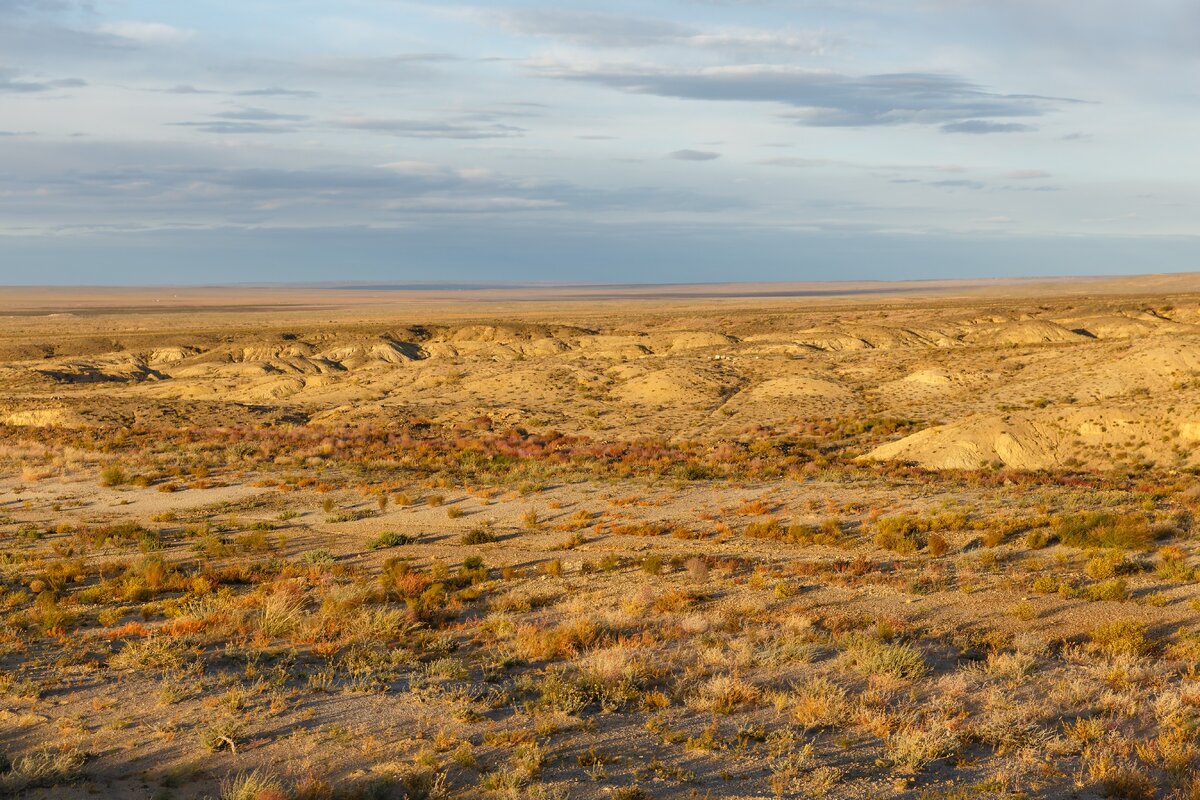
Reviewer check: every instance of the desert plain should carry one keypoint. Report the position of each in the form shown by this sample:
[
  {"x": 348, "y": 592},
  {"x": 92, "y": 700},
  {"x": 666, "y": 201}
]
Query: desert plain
[{"x": 924, "y": 540}]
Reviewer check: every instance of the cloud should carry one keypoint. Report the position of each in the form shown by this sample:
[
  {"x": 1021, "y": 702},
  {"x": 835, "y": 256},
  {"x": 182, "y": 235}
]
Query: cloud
[
  {"x": 275, "y": 91},
  {"x": 54, "y": 187},
  {"x": 260, "y": 115},
  {"x": 693, "y": 155},
  {"x": 186, "y": 88},
  {"x": 599, "y": 29},
  {"x": 586, "y": 27},
  {"x": 959, "y": 184},
  {"x": 471, "y": 205},
  {"x": 270, "y": 91},
  {"x": 430, "y": 129},
  {"x": 11, "y": 83},
  {"x": 825, "y": 98},
  {"x": 386, "y": 70},
  {"x": 1026, "y": 174},
  {"x": 236, "y": 127},
  {"x": 28, "y": 6},
  {"x": 148, "y": 33},
  {"x": 813, "y": 43},
  {"x": 981, "y": 126}
]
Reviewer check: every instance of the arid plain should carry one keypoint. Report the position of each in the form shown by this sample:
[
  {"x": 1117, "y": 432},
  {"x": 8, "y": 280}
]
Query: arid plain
[{"x": 929, "y": 540}]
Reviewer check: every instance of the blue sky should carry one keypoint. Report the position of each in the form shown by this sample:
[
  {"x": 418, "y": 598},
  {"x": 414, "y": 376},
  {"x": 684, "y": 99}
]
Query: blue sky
[{"x": 679, "y": 140}]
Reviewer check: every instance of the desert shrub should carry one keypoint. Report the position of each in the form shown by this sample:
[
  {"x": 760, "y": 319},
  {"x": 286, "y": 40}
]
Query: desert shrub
[
  {"x": 871, "y": 656},
  {"x": 641, "y": 529},
  {"x": 724, "y": 694},
  {"x": 1105, "y": 529},
  {"x": 1037, "y": 540},
  {"x": 1124, "y": 637},
  {"x": 353, "y": 515},
  {"x": 1114, "y": 589},
  {"x": 937, "y": 545},
  {"x": 318, "y": 558},
  {"x": 765, "y": 529},
  {"x": 391, "y": 539},
  {"x": 914, "y": 745},
  {"x": 908, "y": 533},
  {"x": 819, "y": 703},
  {"x": 251, "y": 786},
  {"x": 1173, "y": 566},
  {"x": 1108, "y": 565},
  {"x": 478, "y": 536},
  {"x": 42, "y": 768},
  {"x": 1044, "y": 584},
  {"x": 113, "y": 475},
  {"x": 652, "y": 565},
  {"x": 828, "y": 532}
]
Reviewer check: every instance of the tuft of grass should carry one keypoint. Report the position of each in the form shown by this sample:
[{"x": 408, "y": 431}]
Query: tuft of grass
[
  {"x": 1105, "y": 529},
  {"x": 252, "y": 785},
  {"x": 391, "y": 539},
  {"x": 819, "y": 703},
  {"x": 871, "y": 656},
  {"x": 40, "y": 769}
]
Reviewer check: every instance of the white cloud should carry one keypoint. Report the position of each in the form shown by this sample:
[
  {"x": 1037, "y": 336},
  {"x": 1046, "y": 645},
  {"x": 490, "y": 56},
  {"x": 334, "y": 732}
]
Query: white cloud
[{"x": 149, "y": 33}]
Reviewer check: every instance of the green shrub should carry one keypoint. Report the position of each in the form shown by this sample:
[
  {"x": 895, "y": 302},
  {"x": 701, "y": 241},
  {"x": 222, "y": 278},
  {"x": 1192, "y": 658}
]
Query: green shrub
[
  {"x": 478, "y": 536},
  {"x": 871, "y": 656},
  {"x": 391, "y": 539},
  {"x": 1124, "y": 637},
  {"x": 113, "y": 475},
  {"x": 1105, "y": 529}
]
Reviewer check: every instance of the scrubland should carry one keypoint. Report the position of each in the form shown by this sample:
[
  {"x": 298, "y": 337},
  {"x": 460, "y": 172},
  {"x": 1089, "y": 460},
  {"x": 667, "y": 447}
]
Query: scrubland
[{"x": 933, "y": 548}]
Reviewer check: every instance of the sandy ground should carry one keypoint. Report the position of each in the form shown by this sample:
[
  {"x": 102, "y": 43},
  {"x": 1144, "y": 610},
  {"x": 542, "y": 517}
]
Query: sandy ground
[{"x": 991, "y": 418}]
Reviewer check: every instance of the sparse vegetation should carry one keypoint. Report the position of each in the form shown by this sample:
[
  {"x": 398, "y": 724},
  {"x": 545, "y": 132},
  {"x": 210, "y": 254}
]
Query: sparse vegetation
[{"x": 681, "y": 601}]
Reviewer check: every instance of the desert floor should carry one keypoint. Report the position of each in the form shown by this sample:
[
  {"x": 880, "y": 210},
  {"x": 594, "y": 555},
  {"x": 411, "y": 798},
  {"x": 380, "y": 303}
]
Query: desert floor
[{"x": 928, "y": 540}]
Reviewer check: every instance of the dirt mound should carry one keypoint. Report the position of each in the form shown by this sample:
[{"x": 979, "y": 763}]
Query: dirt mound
[
  {"x": 677, "y": 386},
  {"x": 694, "y": 340},
  {"x": 872, "y": 337},
  {"x": 614, "y": 348},
  {"x": 799, "y": 386},
  {"x": 1026, "y": 332},
  {"x": 976, "y": 442},
  {"x": 108, "y": 369},
  {"x": 1126, "y": 327},
  {"x": 792, "y": 396},
  {"x": 39, "y": 418},
  {"x": 933, "y": 378},
  {"x": 171, "y": 355},
  {"x": 378, "y": 353},
  {"x": 1154, "y": 367},
  {"x": 1092, "y": 436}
]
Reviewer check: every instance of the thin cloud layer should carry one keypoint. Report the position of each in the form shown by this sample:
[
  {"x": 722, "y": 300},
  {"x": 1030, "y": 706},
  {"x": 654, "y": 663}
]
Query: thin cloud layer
[
  {"x": 829, "y": 99},
  {"x": 653, "y": 137}
]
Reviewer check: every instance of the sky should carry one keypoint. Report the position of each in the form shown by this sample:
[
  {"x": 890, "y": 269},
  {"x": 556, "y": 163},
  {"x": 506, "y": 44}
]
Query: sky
[{"x": 660, "y": 141}]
